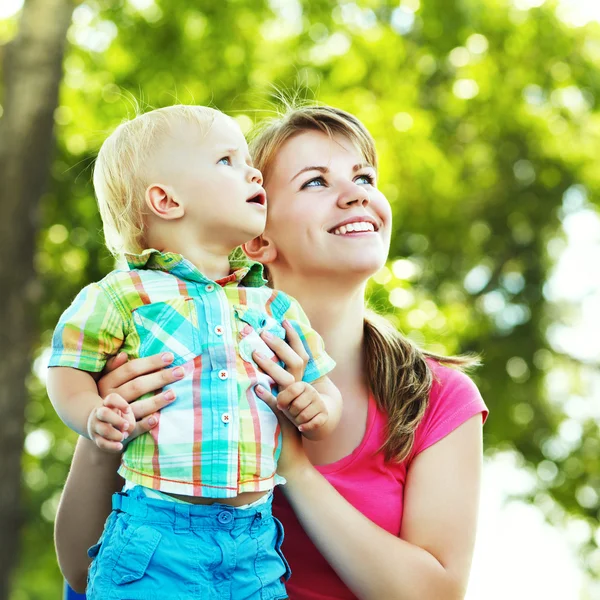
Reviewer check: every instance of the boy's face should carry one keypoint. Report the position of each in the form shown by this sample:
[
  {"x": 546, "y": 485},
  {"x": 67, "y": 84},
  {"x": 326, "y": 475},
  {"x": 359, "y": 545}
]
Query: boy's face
[{"x": 211, "y": 175}]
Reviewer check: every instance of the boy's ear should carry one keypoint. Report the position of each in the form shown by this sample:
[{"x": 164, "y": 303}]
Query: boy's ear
[
  {"x": 261, "y": 249},
  {"x": 162, "y": 203}
]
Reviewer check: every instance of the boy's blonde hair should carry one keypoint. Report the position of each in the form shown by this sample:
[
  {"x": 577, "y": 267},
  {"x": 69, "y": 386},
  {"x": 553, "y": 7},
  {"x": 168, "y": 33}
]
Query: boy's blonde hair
[{"x": 120, "y": 178}]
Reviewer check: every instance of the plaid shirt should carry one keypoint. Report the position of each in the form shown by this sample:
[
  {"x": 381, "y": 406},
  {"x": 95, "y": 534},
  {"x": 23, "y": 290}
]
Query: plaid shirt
[{"x": 217, "y": 439}]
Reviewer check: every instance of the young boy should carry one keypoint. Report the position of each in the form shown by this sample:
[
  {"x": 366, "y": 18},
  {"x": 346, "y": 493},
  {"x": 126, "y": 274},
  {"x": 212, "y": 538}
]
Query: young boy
[{"x": 194, "y": 518}]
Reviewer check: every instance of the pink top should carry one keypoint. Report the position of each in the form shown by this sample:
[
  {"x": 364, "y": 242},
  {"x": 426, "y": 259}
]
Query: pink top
[{"x": 370, "y": 484}]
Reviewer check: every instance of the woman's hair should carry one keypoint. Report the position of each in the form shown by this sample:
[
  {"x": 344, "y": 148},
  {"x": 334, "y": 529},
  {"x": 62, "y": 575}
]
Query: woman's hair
[
  {"x": 398, "y": 372},
  {"x": 120, "y": 178}
]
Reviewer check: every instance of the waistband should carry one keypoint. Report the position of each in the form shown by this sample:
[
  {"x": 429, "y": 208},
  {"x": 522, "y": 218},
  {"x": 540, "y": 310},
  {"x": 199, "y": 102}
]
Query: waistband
[
  {"x": 185, "y": 515},
  {"x": 150, "y": 493}
]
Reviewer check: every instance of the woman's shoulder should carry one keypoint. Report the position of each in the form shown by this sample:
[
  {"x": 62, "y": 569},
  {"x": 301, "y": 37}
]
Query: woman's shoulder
[
  {"x": 449, "y": 379},
  {"x": 453, "y": 399}
]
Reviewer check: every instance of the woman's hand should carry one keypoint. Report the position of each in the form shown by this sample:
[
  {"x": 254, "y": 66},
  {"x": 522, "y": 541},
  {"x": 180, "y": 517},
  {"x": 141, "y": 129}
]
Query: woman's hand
[
  {"x": 290, "y": 352},
  {"x": 292, "y": 457},
  {"x": 293, "y": 355},
  {"x": 132, "y": 379}
]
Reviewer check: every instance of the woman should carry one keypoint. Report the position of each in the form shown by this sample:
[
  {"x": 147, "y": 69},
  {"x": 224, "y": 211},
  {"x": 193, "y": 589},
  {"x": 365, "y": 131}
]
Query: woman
[{"x": 386, "y": 507}]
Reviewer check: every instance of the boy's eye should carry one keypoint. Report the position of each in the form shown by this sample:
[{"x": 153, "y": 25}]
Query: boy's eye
[{"x": 226, "y": 160}]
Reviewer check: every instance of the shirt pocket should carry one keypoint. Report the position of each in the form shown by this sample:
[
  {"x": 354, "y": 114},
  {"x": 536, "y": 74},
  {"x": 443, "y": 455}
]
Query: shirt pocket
[
  {"x": 250, "y": 323},
  {"x": 170, "y": 326}
]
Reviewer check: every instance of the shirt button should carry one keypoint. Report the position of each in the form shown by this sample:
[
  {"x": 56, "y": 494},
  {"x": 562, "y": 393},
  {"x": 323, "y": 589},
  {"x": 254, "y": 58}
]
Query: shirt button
[
  {"x": 223, "y": 374},
  {"x": 225, "y": 517},
  {"x": 225, "y": 417},
  {"x": 219, "y": 330},
  {"x": 210, "y": 287}
]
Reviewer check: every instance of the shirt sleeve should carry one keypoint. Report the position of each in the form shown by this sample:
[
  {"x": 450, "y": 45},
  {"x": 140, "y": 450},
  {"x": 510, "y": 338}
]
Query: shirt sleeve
[
  {"x": 319, "y": 362},
  {"x": 453, "y": 400},
  {"x": 88, "y": 333}
]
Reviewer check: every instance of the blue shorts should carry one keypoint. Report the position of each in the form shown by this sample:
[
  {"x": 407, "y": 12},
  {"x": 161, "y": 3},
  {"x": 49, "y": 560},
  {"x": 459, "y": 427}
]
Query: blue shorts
[{"x": 157, "y": 550}]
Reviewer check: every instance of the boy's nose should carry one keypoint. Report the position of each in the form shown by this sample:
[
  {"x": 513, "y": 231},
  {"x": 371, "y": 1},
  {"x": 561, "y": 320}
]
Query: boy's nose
[{"x": 255, "y": 176}]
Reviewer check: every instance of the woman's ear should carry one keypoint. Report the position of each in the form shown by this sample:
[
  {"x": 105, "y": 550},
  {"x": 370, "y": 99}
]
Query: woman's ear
[
  {"x": 162, "y": 203},
  {"x": 260, "y": 249}
]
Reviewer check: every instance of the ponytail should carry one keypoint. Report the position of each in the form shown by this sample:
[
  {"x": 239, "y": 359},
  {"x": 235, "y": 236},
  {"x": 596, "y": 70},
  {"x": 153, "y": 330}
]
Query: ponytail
[{"x": 400, "y": 379}]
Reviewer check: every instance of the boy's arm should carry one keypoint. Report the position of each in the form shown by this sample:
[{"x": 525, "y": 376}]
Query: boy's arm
[
  {"x": 315, "y": 408},
  {"x": 75, "y": 398},
  {"x": 332, "y": 399}
]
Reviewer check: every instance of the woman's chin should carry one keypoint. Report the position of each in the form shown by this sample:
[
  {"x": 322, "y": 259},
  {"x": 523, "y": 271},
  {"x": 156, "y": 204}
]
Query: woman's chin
[{"x": 358, "y": 268}]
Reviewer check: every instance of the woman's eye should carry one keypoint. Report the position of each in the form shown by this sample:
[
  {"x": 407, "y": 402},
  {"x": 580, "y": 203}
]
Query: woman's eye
[
  {"x": 316, "y": 182},
  {"x": 224, "y": 161},
  {"x": 366, "y": 179}
]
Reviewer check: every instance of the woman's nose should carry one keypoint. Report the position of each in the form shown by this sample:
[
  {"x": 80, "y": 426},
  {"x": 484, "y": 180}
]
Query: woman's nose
[{"x": 353, "y": 194}]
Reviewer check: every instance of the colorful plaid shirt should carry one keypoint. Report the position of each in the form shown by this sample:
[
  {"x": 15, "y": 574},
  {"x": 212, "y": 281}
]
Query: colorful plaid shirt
[{"x": 217, "y": 439}]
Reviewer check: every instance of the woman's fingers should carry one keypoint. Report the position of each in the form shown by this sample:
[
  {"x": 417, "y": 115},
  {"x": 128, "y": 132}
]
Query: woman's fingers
[
  {"x": 293, "y": 339},
  {"x": 114, "y": 362},
  {"x": 119, "y": 373},
  {"x": 293, "y": 357},
  {"x": 144, "y": 425},
  {"x": 266, "y": 396},
  {"x": 145, "y": 384},
  {"x": 148, "y": 406},
  {"x": 279, "y": 375}
]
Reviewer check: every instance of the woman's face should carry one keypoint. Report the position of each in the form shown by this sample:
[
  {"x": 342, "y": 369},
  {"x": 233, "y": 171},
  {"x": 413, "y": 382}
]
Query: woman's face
[{"x": 325, "y": 213}]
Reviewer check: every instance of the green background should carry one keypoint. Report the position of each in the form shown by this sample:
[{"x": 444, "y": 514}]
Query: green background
[{"x": 486, "y": 119}]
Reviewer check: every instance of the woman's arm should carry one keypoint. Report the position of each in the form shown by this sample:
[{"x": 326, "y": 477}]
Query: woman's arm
[
  {"x": 432, "y": 558},
  {"x": 84, "y": 506},
  {"x": 86, "y": 498}
]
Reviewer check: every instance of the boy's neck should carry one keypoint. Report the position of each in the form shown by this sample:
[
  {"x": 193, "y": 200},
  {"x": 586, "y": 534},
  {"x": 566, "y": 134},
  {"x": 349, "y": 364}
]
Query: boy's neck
[
  {"x": 212, "y": 262},
  {"x": 213, "y": 265}
]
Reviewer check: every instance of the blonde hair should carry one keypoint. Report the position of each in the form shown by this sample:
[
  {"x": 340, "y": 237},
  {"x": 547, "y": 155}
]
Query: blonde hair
[
  {"x": 120, "y": 177},
  {"x": 398, "y": 372}
]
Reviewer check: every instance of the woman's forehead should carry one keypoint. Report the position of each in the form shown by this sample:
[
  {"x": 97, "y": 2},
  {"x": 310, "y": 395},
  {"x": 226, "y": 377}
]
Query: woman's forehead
[{"x": 316, "y": 147}]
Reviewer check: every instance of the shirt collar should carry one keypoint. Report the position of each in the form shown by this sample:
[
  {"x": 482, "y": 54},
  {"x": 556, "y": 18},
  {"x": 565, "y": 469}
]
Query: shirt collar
[{"x": 243, "y": 272}]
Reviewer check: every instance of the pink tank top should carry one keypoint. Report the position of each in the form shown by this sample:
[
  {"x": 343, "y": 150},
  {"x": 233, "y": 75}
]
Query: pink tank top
[{"x": 370, "y": 484}]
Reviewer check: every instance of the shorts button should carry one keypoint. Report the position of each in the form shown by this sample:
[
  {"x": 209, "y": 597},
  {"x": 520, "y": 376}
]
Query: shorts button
[{"x": 225, "y": 517}]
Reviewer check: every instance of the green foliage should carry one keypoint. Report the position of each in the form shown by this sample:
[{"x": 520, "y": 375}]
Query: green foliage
[{"x": 484, "y": 115}]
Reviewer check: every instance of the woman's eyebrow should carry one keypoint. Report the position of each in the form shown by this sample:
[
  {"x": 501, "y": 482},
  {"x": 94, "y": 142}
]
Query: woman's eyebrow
[
  {"x": 355, "y": 168},
  {"x": 314, "y": 168}
]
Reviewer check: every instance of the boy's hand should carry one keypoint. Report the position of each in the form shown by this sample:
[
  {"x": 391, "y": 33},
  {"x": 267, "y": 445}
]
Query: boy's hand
[
  {"x": 304, "y": 407},
  {"x": 111, "y": 423}
]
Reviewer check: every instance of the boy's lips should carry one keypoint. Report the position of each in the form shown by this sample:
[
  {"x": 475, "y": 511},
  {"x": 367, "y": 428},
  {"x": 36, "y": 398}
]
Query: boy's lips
[{"x": 259, "y": 198}]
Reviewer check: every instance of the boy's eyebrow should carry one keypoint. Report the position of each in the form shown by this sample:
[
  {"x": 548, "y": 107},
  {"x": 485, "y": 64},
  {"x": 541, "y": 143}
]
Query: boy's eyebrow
[{"x": 355, "y": 168}]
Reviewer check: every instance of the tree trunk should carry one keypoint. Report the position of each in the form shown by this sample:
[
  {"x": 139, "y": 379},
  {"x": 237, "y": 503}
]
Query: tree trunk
[{"x": 32, "y": 70}]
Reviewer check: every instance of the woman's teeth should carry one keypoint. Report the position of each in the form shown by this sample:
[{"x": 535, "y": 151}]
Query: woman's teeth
[{"x": 351, "y": 227}]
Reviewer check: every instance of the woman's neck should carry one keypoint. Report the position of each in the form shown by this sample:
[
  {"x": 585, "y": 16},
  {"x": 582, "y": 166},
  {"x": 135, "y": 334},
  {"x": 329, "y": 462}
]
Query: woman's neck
[{"x": 337, "y": 314}]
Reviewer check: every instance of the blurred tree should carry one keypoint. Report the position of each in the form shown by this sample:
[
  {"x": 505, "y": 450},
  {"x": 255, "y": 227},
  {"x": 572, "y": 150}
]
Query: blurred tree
[
  {"x": 32, "y": 70},
  {"x": 486, "y": 117}
]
